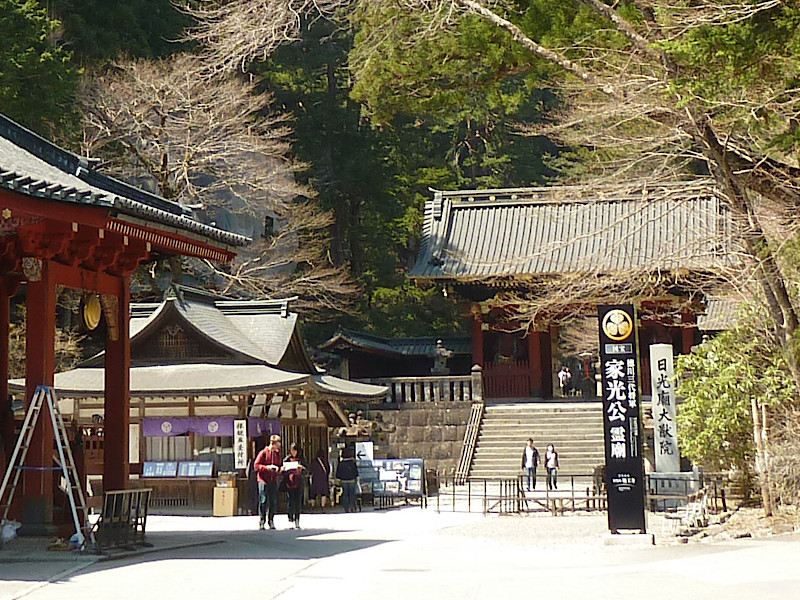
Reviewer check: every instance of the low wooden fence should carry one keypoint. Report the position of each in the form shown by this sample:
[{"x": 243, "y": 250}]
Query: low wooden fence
[
  {"x": 508, "y": 495},
  {"x": 575, "y": 493},
  {"x": 123, "y": 519}
]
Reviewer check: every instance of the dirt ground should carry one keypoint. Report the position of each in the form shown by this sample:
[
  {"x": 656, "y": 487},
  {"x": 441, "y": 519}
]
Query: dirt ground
[{"x": 749, "y": 522}]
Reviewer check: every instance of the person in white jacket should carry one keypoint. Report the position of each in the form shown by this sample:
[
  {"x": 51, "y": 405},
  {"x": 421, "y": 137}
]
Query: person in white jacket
[{"x": 551, "y": 464}]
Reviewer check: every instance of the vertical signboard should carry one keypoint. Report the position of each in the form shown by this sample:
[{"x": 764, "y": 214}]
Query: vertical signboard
[
  {"x": 665, "y": 433},
  {"x": 623, "y": 443},
  {"x": 240, "y": 444}
]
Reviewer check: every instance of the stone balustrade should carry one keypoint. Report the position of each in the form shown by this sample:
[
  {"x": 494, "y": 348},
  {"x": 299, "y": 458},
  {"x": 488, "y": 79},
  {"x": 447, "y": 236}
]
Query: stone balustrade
[{"x": 435, "y": 388}]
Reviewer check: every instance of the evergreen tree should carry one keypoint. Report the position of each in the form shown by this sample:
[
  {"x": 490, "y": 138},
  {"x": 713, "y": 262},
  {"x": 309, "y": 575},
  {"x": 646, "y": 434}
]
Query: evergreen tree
[
  {"x": 37, "y": 79},
  {"x": 99, "y": 29}
]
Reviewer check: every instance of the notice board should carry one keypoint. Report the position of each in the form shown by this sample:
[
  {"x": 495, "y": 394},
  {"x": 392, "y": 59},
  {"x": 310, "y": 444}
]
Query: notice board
[{"x": 402, "y": 477}]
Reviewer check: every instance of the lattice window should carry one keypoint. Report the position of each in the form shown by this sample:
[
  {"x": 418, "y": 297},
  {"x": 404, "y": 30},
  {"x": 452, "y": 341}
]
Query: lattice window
[{"x": 173, "y": 342}]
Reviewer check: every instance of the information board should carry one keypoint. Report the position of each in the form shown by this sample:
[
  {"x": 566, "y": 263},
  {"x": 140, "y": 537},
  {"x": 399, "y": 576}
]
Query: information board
[
  {"x": 404, "y": 477},
  {"x": 195, "y": 468},
  {"x": 160, "y": 469}
]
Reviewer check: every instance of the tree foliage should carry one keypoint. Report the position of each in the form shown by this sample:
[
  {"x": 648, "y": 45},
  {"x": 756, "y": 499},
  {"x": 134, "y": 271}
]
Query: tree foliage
[
  {"x": 718, "y": 382},
  {"x": 37, "y": 78},
  {"x": 98, "y": 29}
]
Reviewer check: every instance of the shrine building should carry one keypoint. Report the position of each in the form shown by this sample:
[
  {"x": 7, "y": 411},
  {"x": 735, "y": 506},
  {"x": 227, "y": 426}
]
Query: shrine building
[
  {"x": 497, "y": 248},
  {"x": 64, "y": 224}
]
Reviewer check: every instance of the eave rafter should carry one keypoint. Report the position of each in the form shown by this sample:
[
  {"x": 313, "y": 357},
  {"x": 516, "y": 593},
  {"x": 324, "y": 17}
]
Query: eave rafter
[{"x": 87, "y": 238}]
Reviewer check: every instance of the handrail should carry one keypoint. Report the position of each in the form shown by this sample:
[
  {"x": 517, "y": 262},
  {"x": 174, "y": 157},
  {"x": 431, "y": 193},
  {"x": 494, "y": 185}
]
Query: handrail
[{"x": 470, "y": 440}]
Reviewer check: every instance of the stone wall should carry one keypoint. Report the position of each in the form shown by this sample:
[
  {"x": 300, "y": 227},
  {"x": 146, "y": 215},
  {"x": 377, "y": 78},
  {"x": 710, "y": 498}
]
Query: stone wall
[{"x": 433, "y": 431}]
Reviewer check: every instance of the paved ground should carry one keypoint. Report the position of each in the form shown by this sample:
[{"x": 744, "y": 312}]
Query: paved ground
[{"x": 406, "y": 553}]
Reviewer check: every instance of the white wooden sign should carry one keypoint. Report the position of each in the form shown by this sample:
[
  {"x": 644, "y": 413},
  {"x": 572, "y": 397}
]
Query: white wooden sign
[
  {"x": 240, "y": 444},
  {"x": 665, "y": 429}
]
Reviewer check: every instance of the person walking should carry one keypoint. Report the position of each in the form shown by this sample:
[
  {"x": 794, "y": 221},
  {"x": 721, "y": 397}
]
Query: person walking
[
  {"x": 294, "y": 467},
  {"x": 551, "y": 464},
  {"x": 268, "y": 465},
  {"x": 320, "y": 479},
  {"x": 347, "y": 473},
  {"x": 564, "y": 380},
  {"x": 530, "y": 460}
]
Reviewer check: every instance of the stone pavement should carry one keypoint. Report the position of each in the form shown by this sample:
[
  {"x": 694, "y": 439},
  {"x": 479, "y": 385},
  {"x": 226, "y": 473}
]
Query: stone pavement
[{"x": 406, "y": 553}]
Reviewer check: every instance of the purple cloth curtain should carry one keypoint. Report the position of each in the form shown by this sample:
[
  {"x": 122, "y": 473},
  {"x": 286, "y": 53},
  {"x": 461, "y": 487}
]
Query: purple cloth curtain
[{"x": 211, "y": 426}]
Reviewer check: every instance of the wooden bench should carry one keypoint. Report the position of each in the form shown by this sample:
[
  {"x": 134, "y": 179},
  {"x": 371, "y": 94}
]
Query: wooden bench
[{"x": 123, "y": 519}]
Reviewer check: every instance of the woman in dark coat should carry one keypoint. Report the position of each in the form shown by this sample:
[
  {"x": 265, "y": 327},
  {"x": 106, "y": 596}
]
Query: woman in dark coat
[
  {"x": 320, "y": 479},
  {"x": 293, "y": 480}
]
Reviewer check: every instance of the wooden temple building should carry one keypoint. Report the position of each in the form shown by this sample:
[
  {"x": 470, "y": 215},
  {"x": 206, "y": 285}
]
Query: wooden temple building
[
  {"x": 65, "y": 224},
  {"x": 365, "y": 356},
  {"x": 198, "y": 363},
  {"x": 492, "y": 248}
]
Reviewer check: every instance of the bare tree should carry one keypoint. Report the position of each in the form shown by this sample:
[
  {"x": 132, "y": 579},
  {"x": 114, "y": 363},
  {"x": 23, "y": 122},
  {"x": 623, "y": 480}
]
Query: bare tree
[
  {"x": 631, "y": 98},
  {"x": 236, "y": 33},
  {"x": 216, "y": 144}
]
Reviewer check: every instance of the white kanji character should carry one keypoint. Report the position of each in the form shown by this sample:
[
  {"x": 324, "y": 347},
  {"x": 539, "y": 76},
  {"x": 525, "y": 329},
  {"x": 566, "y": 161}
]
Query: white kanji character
[
  {"x": 616, "y": 412},
  {"x": 618, "y": 450},
  {"x": 616, "y": 390},
  {"x": 615, "y": 369}
]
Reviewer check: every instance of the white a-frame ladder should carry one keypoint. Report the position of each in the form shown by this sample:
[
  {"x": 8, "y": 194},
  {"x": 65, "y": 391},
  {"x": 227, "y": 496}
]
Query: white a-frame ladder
[{"x": 46, "y": 396}]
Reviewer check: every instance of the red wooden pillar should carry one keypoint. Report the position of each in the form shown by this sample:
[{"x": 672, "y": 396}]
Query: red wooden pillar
[
  {"x": 535, "y": 360},
  {"x": 477, "y": 337},
  {"x": 37, "y": 493},
  {"x": 6, "y": 418},
  {"x": 646, "y": 337},
  {"x": 116, "y": 457},
  {"x": 688, "y": 326}
]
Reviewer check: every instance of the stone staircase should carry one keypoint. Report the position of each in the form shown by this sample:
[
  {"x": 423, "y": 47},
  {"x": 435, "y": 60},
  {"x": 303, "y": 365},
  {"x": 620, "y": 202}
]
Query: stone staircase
[{"x": 574, "y": 428}]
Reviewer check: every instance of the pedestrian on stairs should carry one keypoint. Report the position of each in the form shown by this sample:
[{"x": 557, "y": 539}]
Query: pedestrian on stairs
[
  {"x": 530, "y": 460},
  {"x": 551, "y": 464}
]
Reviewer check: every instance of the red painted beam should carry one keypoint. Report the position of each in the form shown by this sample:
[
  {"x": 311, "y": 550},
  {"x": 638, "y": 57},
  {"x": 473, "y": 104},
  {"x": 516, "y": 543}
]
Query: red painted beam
[
  {"x": 82, "y": 279},
  {"x": 25, "y": 210},
  {"x": 535, "y": 360}
]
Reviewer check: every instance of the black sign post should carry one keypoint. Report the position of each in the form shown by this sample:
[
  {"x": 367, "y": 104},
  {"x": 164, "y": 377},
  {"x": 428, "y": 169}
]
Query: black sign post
[{"x": 621, "y": 422}]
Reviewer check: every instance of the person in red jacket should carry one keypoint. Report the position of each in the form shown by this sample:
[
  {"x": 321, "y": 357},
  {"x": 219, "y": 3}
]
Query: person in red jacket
[{"x": 268, "y": 465}]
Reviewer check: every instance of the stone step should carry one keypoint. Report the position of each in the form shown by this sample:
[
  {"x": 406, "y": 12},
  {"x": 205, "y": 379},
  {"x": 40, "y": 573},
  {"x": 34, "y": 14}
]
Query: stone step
[
  {"x": 517, "y": 441},
  {"x": 575, "y": 429}
]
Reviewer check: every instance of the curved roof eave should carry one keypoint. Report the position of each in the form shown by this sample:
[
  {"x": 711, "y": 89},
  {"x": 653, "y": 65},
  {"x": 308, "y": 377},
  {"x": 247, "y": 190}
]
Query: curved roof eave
[{"x": 176, "y": 380}]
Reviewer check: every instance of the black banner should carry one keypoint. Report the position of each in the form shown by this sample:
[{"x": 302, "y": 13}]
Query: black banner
[{"x": 619, "y": 363}]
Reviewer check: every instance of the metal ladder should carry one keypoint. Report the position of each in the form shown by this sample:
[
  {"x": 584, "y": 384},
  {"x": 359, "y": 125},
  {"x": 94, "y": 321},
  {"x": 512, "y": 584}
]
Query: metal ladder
[{"x": 66, "y": 462}]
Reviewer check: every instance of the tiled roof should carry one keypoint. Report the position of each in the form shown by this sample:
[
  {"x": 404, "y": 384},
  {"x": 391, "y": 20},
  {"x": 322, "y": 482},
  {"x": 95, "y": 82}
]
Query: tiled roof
[
  {"x": 177, "y": 380},
  {"x": 209, "y": 379},
  {"x": 720, "y": 314},
  {"x": 35, "y": 167},
  {"x": 335, "y": 386},
  {"x": 406, "y": 346},
  {"x": 485, "y": 234},
  {"x": 269, "y": 325},
  {"x": 256, "y": 330}
]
